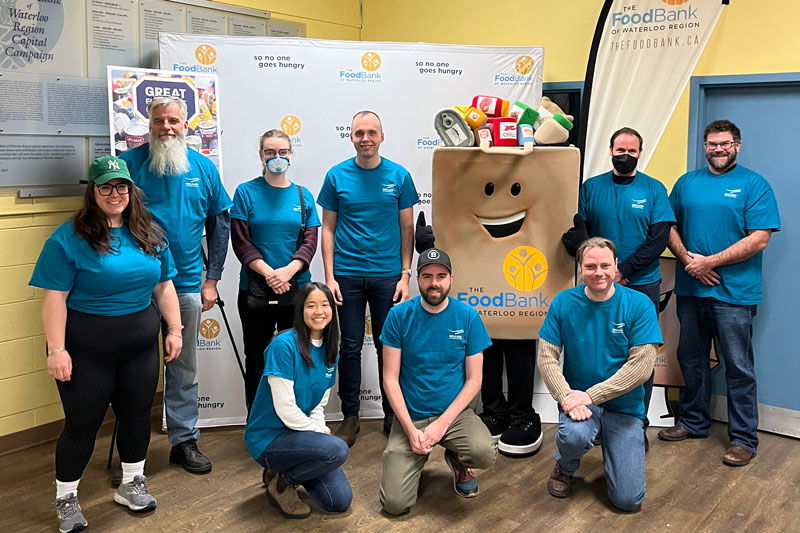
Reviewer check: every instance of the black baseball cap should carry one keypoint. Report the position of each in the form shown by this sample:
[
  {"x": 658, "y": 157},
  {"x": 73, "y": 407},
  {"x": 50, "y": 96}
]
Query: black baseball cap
[{"x": 434, "y": 256}]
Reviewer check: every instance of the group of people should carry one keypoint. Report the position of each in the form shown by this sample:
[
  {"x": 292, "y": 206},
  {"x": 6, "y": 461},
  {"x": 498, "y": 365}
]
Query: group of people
[{"x": 130, "y": 264}]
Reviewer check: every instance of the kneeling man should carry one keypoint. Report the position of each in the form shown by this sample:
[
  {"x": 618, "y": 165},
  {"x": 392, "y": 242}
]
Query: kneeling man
[
  {"x": 610, "y": 335},
  {"x": 432, "y": 360}
]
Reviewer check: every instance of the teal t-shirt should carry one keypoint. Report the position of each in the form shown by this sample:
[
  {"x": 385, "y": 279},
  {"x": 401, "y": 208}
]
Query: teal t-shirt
[
  {"x": 273, "y": 218},
  {"x": 181, "y": 205},
  {"x": 597, "y": 336},
  {"x": 116, "y": 283},
  {"x": 624, "y": 214},
  {"x": 714, "y": 211},
  {"x": 367, "y": 203},
  {"x": 282, "y": 359},
  {"x": 434, "y": 348}
]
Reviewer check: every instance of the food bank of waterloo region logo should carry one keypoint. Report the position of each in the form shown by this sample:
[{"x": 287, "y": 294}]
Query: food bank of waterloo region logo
[
  {"x": 371, "y": 61},
  {"x": 524, "y": 65},
  {"x": 290, "y": 125},
  {"x": 205, "y": 54},
  {"x": 525, "y": 268},
  {"x": 209, "y": 328},
  {"x": 674, "y": 2}
]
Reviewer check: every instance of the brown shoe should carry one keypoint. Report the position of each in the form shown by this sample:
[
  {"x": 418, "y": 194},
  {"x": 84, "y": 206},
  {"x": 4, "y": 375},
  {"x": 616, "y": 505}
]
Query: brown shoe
[
  {"x": 676, "y": 433},
  {"x": 288, "y": 502},
  {"x": 737, "y": 456},
  {"x": 388, "y": 420},
  {"x": 348, "y": 430},
  {"x": 559, "y": 483}
]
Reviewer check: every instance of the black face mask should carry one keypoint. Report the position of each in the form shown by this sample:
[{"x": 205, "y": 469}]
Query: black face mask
[{"x": 624, "y": 163}]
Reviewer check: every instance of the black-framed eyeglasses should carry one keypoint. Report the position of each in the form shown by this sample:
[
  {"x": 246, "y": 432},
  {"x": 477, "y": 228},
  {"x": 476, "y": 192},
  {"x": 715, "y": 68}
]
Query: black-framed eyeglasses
[
  {"x": 272, "y": 153},
  {"x": 725, "y": 145},
  {"x": 106, "y": 189}
]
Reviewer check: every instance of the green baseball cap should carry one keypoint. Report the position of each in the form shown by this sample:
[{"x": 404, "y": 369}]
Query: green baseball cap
[{"x": 106, "y": 168}]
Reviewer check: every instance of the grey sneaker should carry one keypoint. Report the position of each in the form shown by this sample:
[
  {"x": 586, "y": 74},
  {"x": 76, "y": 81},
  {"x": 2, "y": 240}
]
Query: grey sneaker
[
  {"x": 135, "y": 495},
  {"x": 70, "y": 517}
]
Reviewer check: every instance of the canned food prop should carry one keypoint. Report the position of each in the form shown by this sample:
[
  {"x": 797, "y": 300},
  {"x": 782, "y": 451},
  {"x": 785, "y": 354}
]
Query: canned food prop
[
  {"x": 499, "y": 213},
  {"x": 504, "y": 131},
  {"x": 491, "y": 105},
  {"x": 453, "y": 129},
  {"x": 136, "y": 134}
]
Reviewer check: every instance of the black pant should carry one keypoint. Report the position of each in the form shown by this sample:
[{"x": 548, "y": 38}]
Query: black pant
[
  {"x": 258, "y": 328},
  {"x": 114, "y": 360},
  {"x": 520, "y": 360}
]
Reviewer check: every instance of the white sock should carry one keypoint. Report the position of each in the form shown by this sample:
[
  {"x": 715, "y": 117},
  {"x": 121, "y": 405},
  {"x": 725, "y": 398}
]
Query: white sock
[
  {"x": 65, "y": 487},
  {"x": 131, "y": 470}
]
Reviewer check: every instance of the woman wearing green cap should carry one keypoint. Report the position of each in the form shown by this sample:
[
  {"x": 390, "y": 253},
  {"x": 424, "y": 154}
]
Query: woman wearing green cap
[{"x": 100, "y": 272}]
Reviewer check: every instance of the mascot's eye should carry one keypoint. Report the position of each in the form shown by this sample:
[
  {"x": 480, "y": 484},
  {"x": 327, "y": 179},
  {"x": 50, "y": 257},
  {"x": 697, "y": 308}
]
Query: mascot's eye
[
  {"x": 489, "y": 189},
  {"x": 516, "y": 189}
]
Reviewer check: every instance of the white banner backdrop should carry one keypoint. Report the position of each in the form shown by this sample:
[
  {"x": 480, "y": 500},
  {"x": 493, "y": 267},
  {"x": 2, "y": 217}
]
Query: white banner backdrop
[
  {"x": 647, "y": 52},
  {"x": 311, "y": 89}
]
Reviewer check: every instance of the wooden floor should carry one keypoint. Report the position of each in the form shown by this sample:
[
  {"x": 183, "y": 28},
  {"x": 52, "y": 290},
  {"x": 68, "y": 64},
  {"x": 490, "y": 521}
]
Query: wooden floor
[{"x": 688, "y": 489}]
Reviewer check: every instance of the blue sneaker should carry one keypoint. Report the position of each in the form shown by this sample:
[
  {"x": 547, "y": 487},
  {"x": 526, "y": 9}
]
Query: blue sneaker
[
  {"x": 70, "y": 517},
  {"x": 464, "y": 480}
]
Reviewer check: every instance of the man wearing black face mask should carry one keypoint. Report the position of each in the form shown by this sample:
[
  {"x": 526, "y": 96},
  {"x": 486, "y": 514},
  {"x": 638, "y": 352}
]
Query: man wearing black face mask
[{"x": 631, "y": 209}]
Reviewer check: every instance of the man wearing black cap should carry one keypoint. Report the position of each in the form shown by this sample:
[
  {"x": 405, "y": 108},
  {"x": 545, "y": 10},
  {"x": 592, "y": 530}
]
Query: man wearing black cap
[{"x": 433, "y": 356}]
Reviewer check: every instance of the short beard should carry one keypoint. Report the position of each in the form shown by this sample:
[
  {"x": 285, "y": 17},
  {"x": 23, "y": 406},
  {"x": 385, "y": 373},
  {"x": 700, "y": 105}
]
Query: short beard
[
  {"x": 432, "y": 302},
  {"x": 169, "y": 158},
  {"x": 730, "y": 162}
]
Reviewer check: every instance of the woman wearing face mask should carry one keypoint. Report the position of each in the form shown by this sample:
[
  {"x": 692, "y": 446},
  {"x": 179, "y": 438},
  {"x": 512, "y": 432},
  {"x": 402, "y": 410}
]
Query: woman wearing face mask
[{"x": 275, "y": 238}]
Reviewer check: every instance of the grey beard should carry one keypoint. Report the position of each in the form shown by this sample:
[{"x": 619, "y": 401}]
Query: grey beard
[{"x": 168, "y": 158}]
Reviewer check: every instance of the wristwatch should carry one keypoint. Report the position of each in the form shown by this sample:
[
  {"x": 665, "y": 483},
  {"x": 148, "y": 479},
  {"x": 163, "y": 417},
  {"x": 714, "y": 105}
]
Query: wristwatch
[{"x": 406, "y": 271}]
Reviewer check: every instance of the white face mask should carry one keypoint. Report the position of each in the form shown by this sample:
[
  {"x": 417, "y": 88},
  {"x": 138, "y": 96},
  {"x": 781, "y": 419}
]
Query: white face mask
[{"x": 277, "y": 165}]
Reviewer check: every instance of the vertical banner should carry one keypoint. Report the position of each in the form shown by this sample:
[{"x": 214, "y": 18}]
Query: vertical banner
[
  {"x": 312, "y": 88},
  {"x": 646, "y": 52}
]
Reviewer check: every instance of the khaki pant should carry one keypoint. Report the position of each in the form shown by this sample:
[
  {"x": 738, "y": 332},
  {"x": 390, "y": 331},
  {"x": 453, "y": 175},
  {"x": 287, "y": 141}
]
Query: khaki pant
[{"x": 467, "y": 437}]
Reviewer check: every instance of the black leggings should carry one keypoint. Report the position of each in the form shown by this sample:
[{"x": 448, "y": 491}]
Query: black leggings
[
  {"x": 258, "y": 328},
  {"x": 114, "y": 360}
]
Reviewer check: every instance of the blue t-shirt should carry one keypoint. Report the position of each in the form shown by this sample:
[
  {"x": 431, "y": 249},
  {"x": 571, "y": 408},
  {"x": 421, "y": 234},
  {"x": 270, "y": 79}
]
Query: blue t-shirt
[
  {"x": 273, "y": 218},
  {"x": 181, "y": 205},
  {"x": 282, "y": 359},
  {"x": 713, "y": 212},
  {"x": 434, "y": 348},
  {"x": 624, "y": 214},
  {"x": 367, "y": 203},
  {"x": 116, "y": 283},
  {"x": 597, "y": 336}
]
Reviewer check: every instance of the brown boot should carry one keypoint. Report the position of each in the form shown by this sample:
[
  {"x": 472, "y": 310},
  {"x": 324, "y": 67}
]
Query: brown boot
[
  {"x": 559, "y": 483},
  {"x": 737, "y": 456},
  {"x": 286, "y": 500},
  {"x": 348, "y": 429}
]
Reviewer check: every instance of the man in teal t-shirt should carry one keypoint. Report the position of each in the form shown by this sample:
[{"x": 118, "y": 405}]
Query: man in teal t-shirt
[
  {"x": 432, "y": 372},
  {"x": 726, "y": 214},
  {"x": 610, "y": 335},
  {"x": 367, "y": 244},
  {"x": 632, "y": 210}
]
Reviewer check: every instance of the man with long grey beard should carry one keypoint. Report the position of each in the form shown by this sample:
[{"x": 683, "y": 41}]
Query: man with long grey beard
[{"x": 184, "y": 193}]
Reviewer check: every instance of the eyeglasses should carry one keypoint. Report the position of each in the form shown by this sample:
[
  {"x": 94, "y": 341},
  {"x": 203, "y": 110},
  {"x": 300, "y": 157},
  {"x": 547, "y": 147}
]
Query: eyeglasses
[
  {"x": 106, "y": 189},
  {"x": 272, "y": 153},
  {"x": 725, "y": 145}
]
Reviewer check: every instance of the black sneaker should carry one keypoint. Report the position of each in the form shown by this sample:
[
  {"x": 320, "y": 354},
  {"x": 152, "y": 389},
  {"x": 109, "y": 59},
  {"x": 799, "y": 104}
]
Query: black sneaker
[
  {"x": 522, "y": 438},
  {"x": 187, "y": 455},
  {"x": 495, "y": 424}
]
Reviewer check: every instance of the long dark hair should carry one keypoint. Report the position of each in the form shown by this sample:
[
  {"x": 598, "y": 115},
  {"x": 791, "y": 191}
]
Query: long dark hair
[
  {"x": 330, "y": 335},
  {"x": 92, "y": 224}
]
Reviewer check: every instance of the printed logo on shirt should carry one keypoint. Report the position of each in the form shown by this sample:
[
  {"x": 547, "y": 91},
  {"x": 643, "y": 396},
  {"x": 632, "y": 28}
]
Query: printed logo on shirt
[
  {"x": 456, "y": 334},
  {"x": 618, "y": 327},
  {"x": 329, "y": 371},
  {"x": 296, "y": 208},
  {"x": 192, "y": 182},
  {"x": 639, "y": 204},
  {"x": 389, "y": 187},
  {"x": 732, "y": 193}
]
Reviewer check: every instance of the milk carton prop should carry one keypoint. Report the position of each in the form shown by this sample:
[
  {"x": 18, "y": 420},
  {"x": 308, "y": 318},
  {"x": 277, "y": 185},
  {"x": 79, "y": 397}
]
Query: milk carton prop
[{"x": 499, "y": 212}]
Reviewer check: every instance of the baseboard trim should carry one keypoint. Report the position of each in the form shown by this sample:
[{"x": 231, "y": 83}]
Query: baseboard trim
[
  {"x": 34, "y": 436},
  {"x": 776, "y": 420}
]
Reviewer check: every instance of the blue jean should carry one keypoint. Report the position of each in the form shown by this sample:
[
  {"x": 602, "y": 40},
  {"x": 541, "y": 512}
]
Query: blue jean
[
  {"x": 180, "y": 375},
  {"x": 731, "y": 328},
  {"x": 313, "y": 460},
  {"x": 622, "y": 438},
  {"x": 357, "y": 291}
]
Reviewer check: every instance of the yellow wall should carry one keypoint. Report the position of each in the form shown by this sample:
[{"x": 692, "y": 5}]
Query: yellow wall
[{"x": 751, "y": 37}]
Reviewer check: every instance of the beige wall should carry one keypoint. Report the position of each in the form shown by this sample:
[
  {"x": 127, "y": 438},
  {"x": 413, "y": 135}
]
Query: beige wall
[{"x": 751, "y": 37}]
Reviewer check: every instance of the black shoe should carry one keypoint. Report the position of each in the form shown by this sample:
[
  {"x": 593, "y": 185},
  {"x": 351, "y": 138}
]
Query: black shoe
[
  {"x": 522, "y": 438},
  {"x": 348, "y": 430},
  {"x": 495, "y": 424},
  {"x": 388, "y": 420},
  {"x": 187, "y": 455}
]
